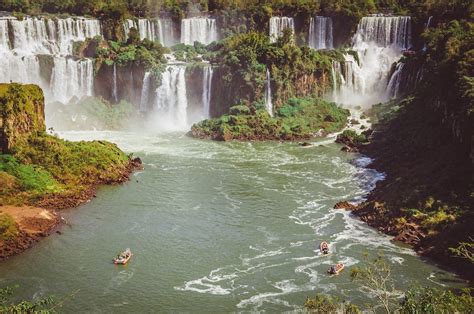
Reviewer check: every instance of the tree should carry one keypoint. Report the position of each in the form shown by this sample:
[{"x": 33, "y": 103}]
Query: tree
[
  {"x": 465, "y": 250},
  {"x": 376, "y": 278}
]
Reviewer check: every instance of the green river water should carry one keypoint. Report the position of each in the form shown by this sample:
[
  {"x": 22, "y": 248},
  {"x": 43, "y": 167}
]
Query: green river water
[{"x": 214, "y": 227}]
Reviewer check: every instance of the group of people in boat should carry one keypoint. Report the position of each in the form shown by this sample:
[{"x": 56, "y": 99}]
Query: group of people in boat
[
  {"x": 123, "y": 257},
  {"x": 333, "y": 270}
]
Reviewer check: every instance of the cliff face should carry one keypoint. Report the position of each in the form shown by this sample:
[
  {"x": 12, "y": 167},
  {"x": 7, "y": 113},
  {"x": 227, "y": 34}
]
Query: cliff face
[{"x": 21, "y": 114}]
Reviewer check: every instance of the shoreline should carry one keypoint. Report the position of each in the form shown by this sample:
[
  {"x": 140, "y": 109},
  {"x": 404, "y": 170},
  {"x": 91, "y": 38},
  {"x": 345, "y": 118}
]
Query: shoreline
[
  {"x": 35, "y": 222},
  {"x": 373, "y": 212}
]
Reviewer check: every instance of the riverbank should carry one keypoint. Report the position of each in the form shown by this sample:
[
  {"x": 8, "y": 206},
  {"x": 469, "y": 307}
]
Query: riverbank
[
  {"x": 41, "y": 173},
  {"x": 426, "y": 198},
  {"x": 32, "y": 223}
]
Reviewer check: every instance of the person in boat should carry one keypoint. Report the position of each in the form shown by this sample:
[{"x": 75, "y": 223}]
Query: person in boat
[
  {"x": 325, "y": 248},
  {"x": 332, "y": 270}
]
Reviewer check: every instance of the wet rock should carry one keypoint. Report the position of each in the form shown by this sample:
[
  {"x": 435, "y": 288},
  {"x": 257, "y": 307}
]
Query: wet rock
[
  {"x": 304, "y": 144},
  {"x": 345, "y": 205},
  {"x": 350, "y": 149},
  {"x": 329, "y": 118}
]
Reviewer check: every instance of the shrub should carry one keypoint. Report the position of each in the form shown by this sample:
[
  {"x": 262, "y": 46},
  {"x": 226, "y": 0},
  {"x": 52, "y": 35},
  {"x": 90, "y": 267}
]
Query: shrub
[{"x": 8, "y": 227}]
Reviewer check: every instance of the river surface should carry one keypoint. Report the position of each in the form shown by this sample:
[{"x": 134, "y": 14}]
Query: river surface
[{"x": 214, "y": 227}]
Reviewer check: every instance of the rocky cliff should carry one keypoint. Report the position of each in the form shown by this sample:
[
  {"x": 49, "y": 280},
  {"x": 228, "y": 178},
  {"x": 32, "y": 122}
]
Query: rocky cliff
[{"x": 21, "y": 114}]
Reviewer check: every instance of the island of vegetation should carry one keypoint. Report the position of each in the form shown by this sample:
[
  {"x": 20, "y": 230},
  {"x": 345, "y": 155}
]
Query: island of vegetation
[
  {"x": 40, "y": 173},
  {"x": 297, "y": 119}
]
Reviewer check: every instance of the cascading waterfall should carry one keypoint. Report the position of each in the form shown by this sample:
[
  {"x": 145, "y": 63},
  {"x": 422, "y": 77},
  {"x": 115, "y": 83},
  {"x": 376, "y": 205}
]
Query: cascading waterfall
[
  {"x": 385, "y": 31},
  {"x": 145, "y": 92},
  {"x": 268, "y": 94},
  {"x": 320, "y": 33},
  {"x": 114, "y": 87},
  {"x": 378, "y": 42},
  {"x": 278, "y": 24},
  {"x": 24, "y": 44},
  {"x": 393, "y": 87},
  {"x": 71, "y": 78},
  {"x": 170, "y": 111},
  {"x": 153, "y": 29},
  {"x": 127, "y": 25},
  {"x": 201, "y": 29},
  {"x": 206, "y": 91}
]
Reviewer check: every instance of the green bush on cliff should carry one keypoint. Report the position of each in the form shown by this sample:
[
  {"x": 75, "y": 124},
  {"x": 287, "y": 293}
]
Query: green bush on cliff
[
  {"x": 30, "y": 177},
  {"x": 38, "y": 164},
  {"x": 8, "y": 227},
  {"x": 297, "y": 119}
]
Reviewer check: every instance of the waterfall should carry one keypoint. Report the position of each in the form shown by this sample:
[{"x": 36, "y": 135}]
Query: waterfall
[
  {"x": 165, "y": 31},
  {"x": 428, "y": 23},
  {"x": 201, "y": 29},
  {"x": 71, "y": 30},
  {"x": 278, "y": 24},
  {"x": 37, "y": 50},
  {"x": 114, "y": 88},
  {"x": 41, "y": 36},
  {"x": 268, "y": 94},
  {"x": 145, "y": 92},
  {"x": 170, "y": 111},
  {"x": 153, "y": 29},
  {"x": 71, "y": 78},
  {"x": 206, "y": 91},
  {"x": 385, "y": 31},
  {"x": 378, "y": 42},
  {"x": 320, "y": 33},
  {"x": 4, "y": 40},
  {"x": 393, "y": 87},
  {"x": 127, "y": 25}
]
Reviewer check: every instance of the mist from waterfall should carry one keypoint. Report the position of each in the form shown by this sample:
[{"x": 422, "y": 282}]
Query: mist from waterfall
[
  {"x": 378, "y": 42},
  {"x": 278, "y": 24},
  {"x": 320, "y": 33},
  {"x": 200, "y": 29},
  {"x": 37, "y": 50}
]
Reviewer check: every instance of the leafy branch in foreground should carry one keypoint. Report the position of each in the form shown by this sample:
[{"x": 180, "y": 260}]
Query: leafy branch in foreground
[
  {"x": 465, "y": 250},
  {"x": 376, "y": 278},
  {"x": 43, "y": 305}
]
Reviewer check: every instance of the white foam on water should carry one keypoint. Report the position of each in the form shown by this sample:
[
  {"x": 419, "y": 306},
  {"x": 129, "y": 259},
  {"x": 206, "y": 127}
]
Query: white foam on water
[
  {"x": 284, "y": 287},
  {"x": 432, "y": 277}
]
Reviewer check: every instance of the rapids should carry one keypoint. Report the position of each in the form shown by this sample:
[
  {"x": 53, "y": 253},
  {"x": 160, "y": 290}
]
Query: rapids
[{"x": 214, "y": 227}]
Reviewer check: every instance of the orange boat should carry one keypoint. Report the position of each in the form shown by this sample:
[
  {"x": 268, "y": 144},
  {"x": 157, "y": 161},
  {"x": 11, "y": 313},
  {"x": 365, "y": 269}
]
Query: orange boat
[
  {"x": 335, "y": 270},
  {"x": 123, "y": 257},
  {"x": 324, "y": 248}
]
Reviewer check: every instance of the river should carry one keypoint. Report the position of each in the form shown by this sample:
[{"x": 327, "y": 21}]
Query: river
[{"x": 214, "y": 227}]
